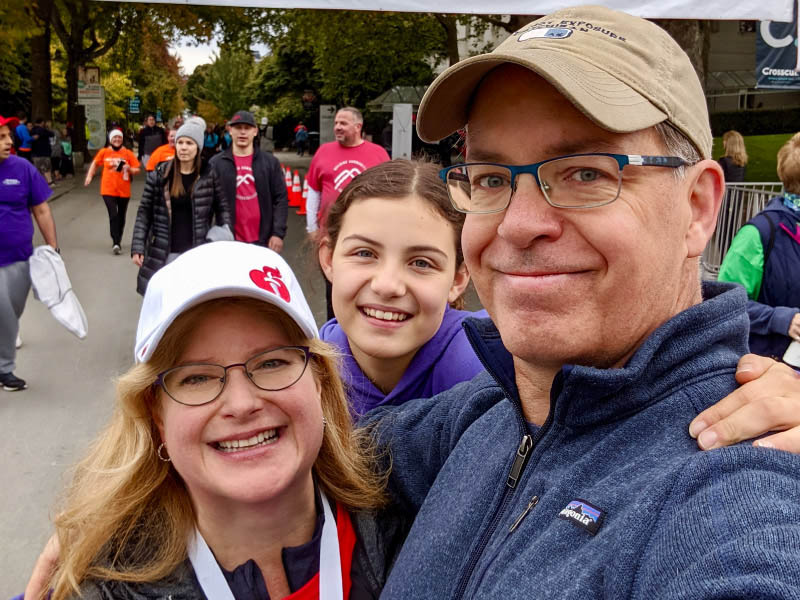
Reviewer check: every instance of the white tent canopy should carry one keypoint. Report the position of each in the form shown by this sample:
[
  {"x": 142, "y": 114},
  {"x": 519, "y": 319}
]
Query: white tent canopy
[{"x": 769, "y": 10}]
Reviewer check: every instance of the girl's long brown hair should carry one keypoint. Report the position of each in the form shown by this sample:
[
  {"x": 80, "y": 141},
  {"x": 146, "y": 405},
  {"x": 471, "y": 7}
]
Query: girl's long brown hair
[{"x": 176, "y": 189}]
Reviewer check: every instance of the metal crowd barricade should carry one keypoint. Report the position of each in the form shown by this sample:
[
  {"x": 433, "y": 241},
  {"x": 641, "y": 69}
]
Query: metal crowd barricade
[{"x": 742, "y": 201}]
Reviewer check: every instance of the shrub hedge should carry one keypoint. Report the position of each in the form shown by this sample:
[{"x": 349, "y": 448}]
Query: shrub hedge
[{"x": 756, "y": 122}]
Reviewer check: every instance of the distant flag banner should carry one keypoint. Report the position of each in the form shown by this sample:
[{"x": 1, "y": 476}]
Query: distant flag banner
[
  {"x": 754, "y": 10},
  {"x": 778, "y": 55}
]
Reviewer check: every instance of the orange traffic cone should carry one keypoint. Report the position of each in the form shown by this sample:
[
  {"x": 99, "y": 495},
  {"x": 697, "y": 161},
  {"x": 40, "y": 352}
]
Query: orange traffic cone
[
  {"x": 303, "y": 197},
  {"x": 294, "y": 191},
  {"x": 288, "y": 178}
]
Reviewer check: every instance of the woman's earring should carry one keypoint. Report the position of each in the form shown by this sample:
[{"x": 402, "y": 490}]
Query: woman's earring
[
  {"x": 324, "y": 422},
  {"x": 160, "y": 448}
]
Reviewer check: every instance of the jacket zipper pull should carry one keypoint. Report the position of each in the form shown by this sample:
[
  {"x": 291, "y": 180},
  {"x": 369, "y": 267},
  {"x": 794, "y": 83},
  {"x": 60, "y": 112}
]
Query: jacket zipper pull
[
  {"x": 533, "y": 502},
  {"x": 519, "y": 461}
]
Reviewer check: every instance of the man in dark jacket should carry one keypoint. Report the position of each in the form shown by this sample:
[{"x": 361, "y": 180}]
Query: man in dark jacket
[
  {"x": 40, "y": 149},
  {"x": 254, "y": 185},
  {"x": 567, "y": 471},
  {"x": 151, "y": 136}
]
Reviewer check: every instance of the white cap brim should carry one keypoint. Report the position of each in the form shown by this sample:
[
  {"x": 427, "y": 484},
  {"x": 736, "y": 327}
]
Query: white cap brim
[{"x": 217, "y": 270}]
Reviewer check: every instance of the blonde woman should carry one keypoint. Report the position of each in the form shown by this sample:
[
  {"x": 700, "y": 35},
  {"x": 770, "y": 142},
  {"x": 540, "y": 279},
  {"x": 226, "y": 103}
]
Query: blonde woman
[
  {"x": 734, "y": 163},
  {"x": 229, "y": 469}
]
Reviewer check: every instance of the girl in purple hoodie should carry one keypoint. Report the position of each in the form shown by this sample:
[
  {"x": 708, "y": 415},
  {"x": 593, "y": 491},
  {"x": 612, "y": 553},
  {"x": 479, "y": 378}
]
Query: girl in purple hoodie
[{"x": 392, "y": 252}]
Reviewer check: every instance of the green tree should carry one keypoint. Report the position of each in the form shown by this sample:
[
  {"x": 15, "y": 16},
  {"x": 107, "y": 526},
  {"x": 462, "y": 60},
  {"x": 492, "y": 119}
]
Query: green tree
[
  {"x": 15, "y": 58},
  {"x": 193, "y": 90},
  {"x": 158, "y": 77},
  {"x": 281, "y": 78},
  {"x": 227, "y": 81},
  {"x": 119, "y": 90},
  {"x": 348, "y": 57},
  {"x": 87, "y": 30}
]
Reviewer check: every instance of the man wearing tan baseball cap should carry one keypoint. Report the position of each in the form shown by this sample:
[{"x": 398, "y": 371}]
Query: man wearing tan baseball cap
[{"x": 566, "y": 470}]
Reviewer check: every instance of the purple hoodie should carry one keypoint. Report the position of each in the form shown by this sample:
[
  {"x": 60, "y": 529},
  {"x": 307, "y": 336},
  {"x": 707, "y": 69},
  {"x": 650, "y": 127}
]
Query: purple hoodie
[{"x": 443, "y": 361}]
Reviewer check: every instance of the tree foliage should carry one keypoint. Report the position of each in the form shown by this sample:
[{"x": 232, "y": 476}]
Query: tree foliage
[
  {"x": 15, "y": 68},
  {"x": 119, "y": 90},
  {"x": 348, "y": 57},
  {"x": 226, "y": 81},
  {"x": 193, "y": 90},
  {"x": 343, "y": 57}
]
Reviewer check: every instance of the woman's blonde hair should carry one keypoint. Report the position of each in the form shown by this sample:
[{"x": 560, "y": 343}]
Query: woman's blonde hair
[
  {"x": 127, "y": 514},
  {"x": 789, "y": 164},
  {"x": 733, "y": 143}
]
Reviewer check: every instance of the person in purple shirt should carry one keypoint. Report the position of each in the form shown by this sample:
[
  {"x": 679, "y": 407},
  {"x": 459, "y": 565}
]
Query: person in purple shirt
[
  {"x": 392, "y": 252},
  {"x": 23, "y": 191}
]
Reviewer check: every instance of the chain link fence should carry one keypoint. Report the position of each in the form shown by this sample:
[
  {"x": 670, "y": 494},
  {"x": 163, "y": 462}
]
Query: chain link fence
[{"x": 742, "y": 201}]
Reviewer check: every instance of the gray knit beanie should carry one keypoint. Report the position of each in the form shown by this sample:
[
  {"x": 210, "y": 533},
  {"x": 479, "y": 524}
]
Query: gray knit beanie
[{"x": 195, "y": 128}]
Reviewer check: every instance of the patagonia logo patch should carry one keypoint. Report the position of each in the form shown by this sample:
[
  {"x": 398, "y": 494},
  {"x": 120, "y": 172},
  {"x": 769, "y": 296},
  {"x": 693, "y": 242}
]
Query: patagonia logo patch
[{"x": 581, "y": 513}]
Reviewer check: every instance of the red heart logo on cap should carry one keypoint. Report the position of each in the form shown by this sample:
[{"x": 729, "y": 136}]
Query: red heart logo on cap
[{"x": 269, "y": 279}]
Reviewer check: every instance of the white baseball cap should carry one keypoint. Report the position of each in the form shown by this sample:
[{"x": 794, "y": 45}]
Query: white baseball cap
[{"x": 218, "y": 270}]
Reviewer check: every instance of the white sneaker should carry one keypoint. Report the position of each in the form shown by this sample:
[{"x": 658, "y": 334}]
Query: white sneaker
[
  {"x": 116, "y": 249},
  {"x": 19, "y": 341}
]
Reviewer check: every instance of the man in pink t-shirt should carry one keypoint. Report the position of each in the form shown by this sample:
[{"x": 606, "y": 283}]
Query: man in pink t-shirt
[
  {"x": 335, "y": 165},
  {"x": 254, "y": 186}
]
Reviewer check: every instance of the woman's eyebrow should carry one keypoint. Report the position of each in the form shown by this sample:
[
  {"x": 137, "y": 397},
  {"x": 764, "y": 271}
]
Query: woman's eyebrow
[
  {"x": 421, "y": 248},
  {"x": 433, "y": 249},
  {"x": 361, "y": 238}
]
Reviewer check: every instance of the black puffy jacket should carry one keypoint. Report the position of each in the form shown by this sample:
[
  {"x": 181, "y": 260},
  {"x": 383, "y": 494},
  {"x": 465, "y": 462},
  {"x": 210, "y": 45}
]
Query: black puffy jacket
[{"x": 151, "y": 233}]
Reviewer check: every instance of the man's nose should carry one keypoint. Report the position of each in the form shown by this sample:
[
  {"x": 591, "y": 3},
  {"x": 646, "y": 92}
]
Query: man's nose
[{"x": 529, "y": 216}]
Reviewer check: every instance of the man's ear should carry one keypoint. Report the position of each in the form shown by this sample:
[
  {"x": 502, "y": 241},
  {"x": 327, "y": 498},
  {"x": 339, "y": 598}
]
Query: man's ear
[
  {"x": 460, "y": 282},
  {"x": 705, "y": 191},
  {"x": 325, "y": 255}
]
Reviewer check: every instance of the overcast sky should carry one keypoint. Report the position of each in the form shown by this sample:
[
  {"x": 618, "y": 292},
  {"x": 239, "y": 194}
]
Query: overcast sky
[{"x": 193, "y": 56}]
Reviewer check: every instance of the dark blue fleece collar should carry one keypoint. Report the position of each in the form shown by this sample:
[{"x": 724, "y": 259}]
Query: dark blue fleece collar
[{"x": 700, "y": 341}]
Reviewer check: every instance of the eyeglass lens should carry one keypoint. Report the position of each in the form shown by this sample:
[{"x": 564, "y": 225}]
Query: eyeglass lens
[
  {"x": 573, "y": 181},
  {"x": 200, "y": 383}
]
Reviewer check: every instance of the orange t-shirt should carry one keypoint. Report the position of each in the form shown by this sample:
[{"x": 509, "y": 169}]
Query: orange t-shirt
[
  {"x": 112, "y": 183},
  {"x": 160, "y": 154}
]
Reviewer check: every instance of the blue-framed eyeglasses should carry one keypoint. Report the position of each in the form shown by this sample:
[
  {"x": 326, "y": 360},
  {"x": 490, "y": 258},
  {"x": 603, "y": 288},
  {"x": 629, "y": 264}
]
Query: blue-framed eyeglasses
[
  {"x": 200, "y": 383},
  {"x": 574, "y": 181}
]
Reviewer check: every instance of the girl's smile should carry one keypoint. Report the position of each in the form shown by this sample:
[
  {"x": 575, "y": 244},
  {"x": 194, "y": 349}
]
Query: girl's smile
[{"x": 393, "y": 272}]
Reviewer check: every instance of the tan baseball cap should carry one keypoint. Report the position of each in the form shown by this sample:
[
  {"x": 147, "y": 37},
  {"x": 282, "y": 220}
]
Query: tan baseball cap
[{"x": 623, "y": 72}]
